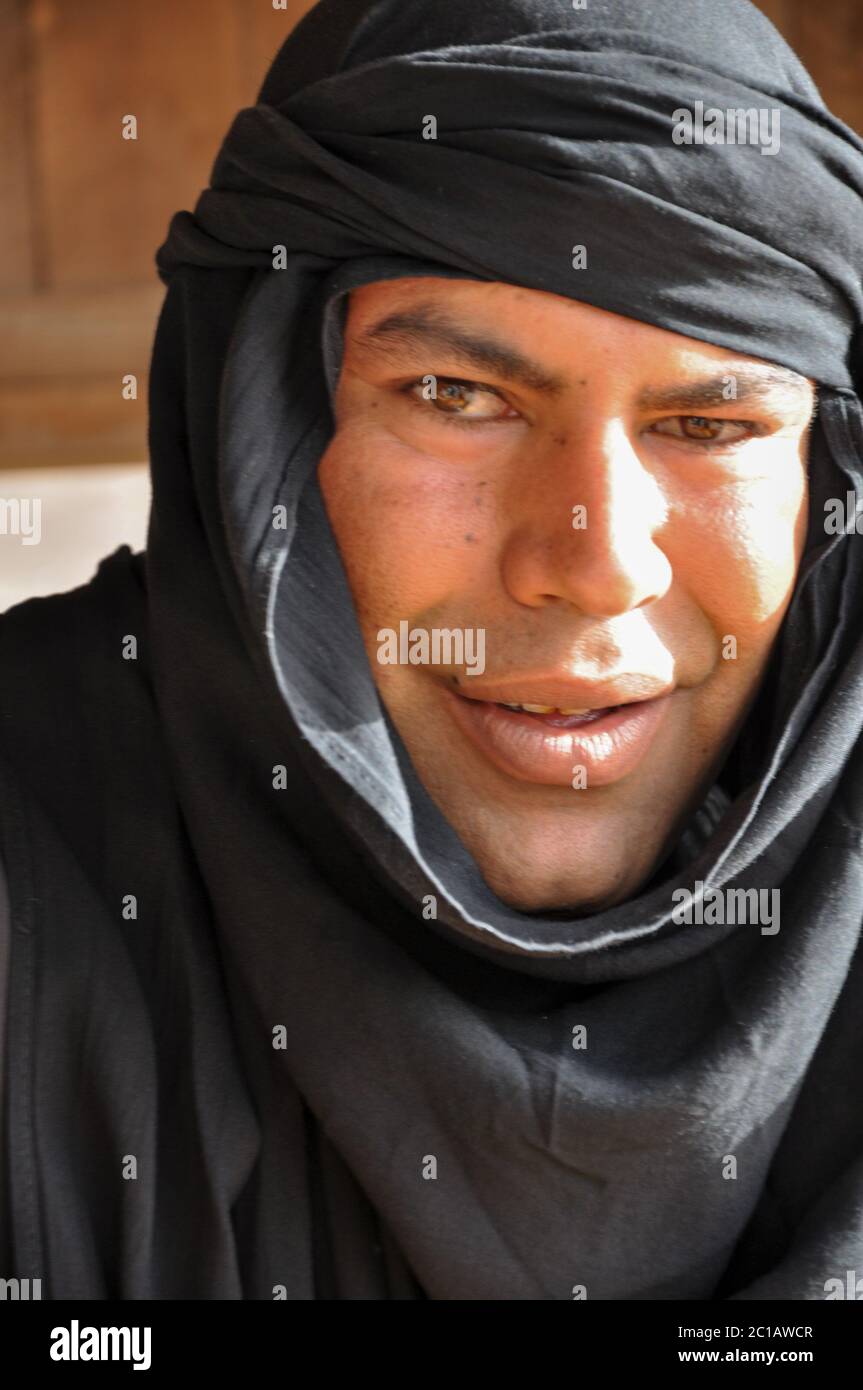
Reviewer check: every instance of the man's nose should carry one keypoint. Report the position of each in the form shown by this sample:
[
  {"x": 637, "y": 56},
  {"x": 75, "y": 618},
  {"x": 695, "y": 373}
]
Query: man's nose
[{"x": 586, "y": 524}]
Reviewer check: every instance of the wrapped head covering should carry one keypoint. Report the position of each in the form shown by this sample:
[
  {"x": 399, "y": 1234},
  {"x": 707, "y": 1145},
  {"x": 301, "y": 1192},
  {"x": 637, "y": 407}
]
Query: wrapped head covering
[{"x": 554, "y": 128}]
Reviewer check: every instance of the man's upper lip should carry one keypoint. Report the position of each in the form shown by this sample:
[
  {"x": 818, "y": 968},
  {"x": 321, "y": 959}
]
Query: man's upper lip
[{"x": 566, "y": 694}]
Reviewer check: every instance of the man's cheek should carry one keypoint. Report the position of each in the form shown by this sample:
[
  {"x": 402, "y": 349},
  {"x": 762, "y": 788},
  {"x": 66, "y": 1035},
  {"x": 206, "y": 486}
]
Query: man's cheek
[
  {"x": 739, "y": 559},
  {"x": 762, "y": 566},
  {"x": 428, "y": 525}
]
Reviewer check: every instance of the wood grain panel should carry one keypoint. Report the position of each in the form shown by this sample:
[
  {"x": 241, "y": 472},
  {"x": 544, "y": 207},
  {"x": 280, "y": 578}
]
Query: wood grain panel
[
  {"x": 781, "y": 13},
  {"x": 175, "y": 68},
  {"x": 78, "y": 331},
  {"x": 829, "y": 39},
  {"x": 18, "y": 249},
  {"x": 73, "y": 420},
  {"x": 261, "y": 31}
]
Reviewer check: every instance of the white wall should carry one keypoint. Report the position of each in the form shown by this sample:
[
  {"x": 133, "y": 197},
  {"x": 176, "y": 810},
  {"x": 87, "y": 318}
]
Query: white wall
[{"x": 75, "y": 516}]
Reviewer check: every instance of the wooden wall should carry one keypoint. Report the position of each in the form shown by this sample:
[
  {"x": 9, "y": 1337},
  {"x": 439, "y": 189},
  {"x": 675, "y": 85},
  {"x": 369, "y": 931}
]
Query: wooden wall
[
  {"x": 84, "y": 210},
  {"x": 828, "y": 36}
]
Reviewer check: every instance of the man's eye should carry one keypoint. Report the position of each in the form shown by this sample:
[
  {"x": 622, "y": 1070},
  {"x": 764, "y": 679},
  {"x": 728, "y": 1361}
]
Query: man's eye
[
  {"x": 700, "y": 429},
  {"x": 458, "y": 402}
]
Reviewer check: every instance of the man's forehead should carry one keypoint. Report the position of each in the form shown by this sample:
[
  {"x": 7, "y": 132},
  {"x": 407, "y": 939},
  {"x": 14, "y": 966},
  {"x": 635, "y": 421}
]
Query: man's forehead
[{"x": 447, "y": 317}]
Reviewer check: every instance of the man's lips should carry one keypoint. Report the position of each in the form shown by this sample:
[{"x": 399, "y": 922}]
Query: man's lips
[
  {"x": 566, "y": 693},
  {"x": 591, "y": 749}
]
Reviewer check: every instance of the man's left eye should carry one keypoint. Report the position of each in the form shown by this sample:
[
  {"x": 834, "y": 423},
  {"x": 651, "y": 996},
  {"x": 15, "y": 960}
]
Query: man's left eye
[
  {"x": 459, "y": 400},
  {"x": 700, "y": 429}
]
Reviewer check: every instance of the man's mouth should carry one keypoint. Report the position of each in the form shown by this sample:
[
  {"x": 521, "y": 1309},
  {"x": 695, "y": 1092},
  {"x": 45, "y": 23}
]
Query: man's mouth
[
  {"x": 567, "y": 745},
  {"x": 556, "y": 718}
]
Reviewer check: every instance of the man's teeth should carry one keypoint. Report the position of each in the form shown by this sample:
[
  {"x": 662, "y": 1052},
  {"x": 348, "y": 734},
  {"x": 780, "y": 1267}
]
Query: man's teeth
[{"x": 546, "y": 709}]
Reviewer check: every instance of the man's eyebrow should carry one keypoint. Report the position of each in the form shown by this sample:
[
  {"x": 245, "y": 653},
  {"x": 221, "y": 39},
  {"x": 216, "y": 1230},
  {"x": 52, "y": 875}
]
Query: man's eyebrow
[
  {"x": 737, "y": 383},
  {"x": 426, "y": 327}
]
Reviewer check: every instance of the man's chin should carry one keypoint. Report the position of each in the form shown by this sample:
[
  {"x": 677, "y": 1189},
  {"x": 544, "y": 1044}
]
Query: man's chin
[
  {"x": 566, "y": 907},
  {"x": 575, "y": 890},
  {"x": 546, "y": 850}
]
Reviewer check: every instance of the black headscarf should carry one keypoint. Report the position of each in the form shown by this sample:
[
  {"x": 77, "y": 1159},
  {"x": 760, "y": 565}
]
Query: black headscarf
[{"x": 401, "y": 1040}]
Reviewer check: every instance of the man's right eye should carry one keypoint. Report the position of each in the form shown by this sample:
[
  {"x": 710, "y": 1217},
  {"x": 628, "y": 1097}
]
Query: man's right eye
[{"x": 458, "y": 402}]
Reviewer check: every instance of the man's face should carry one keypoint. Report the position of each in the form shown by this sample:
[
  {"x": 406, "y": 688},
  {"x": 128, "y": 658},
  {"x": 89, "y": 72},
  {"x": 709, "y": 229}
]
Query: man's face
[{"x": 618, "y": 509}]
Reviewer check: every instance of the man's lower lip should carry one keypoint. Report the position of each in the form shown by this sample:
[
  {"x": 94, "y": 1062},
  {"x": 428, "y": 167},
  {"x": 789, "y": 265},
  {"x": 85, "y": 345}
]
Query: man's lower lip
[{"x": 605, "y": 749}]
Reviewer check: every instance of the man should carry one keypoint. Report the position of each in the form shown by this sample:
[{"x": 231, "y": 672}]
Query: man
[{"x": 434, "y": 866}]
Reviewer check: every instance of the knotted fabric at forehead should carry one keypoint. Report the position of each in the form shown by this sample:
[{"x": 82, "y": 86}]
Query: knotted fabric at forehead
[{"x": 684, "y": 173}]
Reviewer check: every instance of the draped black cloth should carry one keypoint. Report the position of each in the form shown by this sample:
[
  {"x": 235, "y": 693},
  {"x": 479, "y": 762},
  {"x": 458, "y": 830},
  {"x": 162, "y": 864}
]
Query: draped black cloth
[{"x": 279, "y": 1037}]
